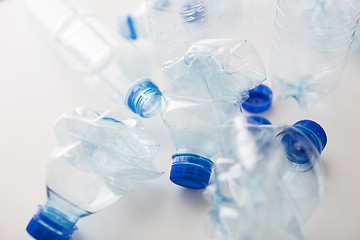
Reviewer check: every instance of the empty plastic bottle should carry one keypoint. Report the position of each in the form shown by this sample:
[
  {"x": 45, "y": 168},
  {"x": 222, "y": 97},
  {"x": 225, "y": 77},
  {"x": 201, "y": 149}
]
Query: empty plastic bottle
[
  {"x": 173, "y": 25},
  {"x": 115, "y": 68},
  {"x": 311, "y": 41},
  {"x": 101, "y": 156},
  {"x": 209, "y": 84},
  {"x": 267, "y": 178},
  {"x": 299, "y": 188},
  {"x": 245, "y": 176}
]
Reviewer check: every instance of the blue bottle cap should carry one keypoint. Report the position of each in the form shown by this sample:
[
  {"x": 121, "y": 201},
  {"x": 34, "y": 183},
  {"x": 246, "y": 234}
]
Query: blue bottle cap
[
  {"x": 259, "y": 99},
  {"x": 50, "y": 224},
  {"x": 126, "y": 27},
  {"x": 257, "y": 120},
  {"x": 303, "y": 143},
  {"x": 314, "y": 132},
  {"x": 144, "y": 99},
  {"x": 132, "y": 31},
  {"x": 190, "y": 170}
]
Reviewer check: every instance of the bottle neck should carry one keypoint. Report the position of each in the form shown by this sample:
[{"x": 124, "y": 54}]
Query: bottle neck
[
  {"x": 70, "y": 210},
  {"x": 56, "y": 220},
  {"x": 144, "y": 99}
]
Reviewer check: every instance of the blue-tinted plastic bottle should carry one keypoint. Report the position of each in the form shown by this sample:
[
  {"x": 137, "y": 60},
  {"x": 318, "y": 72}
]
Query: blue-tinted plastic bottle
[
  {"x": 116, "y": 69},
  {"x": 310, "y": 45},
  {"x": 172, "y": 25},
  {"x": 102, "y": 155},
  {"x": 209, "y": 84},
  {"x": 267, "y": 178},
  {"x": 299, "y": 188}
]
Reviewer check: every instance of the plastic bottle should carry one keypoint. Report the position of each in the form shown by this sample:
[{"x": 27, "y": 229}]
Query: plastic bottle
[
  {"x": 101, "y": 156},
  {"x": 311, "y": 41},
  {"x": 115, "y": 68},
  {"x": 267, "y": 178},
  {"x": 172, "y": 25},
  {"x": 209, "y": 84}
]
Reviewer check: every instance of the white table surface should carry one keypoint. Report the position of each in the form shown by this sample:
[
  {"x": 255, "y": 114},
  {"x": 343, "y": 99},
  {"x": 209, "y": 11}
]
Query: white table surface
[{"x": 37, "y": 87}]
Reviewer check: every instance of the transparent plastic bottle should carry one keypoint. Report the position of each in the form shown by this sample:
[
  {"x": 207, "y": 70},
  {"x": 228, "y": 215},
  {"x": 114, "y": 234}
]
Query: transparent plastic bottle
[
  {"x": 115, "y": 68},
  {"x": 173, "y": 25},
  {"x": 301, "y": 179},
  {"x": 209, "y": 84},
  {"x": 310, "y": 44},
  {"x": 101, "y": 157},
  {"x": 266, "y": 178}
]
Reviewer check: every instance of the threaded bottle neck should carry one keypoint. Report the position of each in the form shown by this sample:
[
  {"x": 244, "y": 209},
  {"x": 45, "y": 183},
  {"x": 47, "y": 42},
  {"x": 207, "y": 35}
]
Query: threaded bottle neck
[{"x": 144, "y": 99}]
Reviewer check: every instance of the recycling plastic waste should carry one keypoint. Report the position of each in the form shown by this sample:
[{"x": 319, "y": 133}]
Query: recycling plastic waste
[
  {"x": 311, "y": 41},
  {"x": 116, "y": 69},
  {"x": 101, "y": 156},
  {"x": 172, "y": 25},
  {"x": 267, "y": 178},
  {"x": 209, "y": 84}
]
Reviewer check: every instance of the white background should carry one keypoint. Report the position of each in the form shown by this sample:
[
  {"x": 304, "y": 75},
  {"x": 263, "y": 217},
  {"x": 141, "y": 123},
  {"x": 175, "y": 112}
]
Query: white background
[{"x": 37, "y": 87}]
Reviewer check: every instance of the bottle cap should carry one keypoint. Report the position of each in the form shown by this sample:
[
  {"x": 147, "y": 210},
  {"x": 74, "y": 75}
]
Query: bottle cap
[
  {"x": 144, "y": 99},
  {"x": 127, "y": 28},
  {"x": 314, "y": 132},
  {"x": 190, "y": 170},
  {"x": 259, "y": 99},
  {"x": 257, "y": 120},
  {"x": 50, "y": 224}
]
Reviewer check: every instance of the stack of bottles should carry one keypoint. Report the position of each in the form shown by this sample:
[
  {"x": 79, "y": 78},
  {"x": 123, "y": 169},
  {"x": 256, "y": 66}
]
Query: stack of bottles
[{"x": 266, "y": 177}]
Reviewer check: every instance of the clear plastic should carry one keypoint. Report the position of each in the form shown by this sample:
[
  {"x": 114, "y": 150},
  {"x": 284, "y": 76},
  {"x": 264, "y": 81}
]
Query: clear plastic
[
  {"x": 257, "y": 187},
  {"x": 173, "y": 25},
  {"x": 310, "y": 44},
  {"x": 355, "y": 46},
  {"x": 209, "y": 84},
  {"x": 101, "y": 156},
  {"x": 108, "y": 62}
]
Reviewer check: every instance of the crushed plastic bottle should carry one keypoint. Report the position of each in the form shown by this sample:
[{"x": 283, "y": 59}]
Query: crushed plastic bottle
[
  {"x": 116, "y": 69},
  {"x": 266, "y": 178},
  {"x": 172, "y": 25},
  {"x": 311, "y": 41},
  {"x": 244, "y": 177},
  {"x": 101, "y": 156},
  {"x": 209, "y": 84}
]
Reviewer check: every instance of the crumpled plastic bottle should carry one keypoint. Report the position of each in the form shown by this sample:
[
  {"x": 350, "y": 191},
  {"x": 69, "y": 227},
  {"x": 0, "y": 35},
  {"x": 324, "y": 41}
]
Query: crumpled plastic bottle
[
  {"x": 267, "y": 178},
  {"x": 209, "y": 84},
  {"x": 101, "y": 156}
]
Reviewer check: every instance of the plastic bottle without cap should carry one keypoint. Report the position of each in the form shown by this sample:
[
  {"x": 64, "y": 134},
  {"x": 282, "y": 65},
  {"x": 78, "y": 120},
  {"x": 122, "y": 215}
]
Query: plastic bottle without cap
[
  {"x": 209, "y": 84},
  {"x": 172, "y": 25},
  {"x": 260, "y": 187},
  {"x": 101, "y": 157},
  {"x": 310, "y": 44},
  {"x": 116, "y": 69}
]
